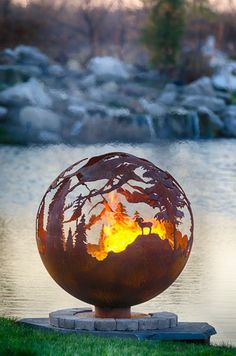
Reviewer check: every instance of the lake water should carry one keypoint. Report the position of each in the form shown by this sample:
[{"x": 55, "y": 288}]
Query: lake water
[{"x": 206, "y": 289}]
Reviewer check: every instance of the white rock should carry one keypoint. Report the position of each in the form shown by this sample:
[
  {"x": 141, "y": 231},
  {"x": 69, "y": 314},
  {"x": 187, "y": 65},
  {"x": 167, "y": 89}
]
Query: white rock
[
  {"x": 230, "y": 126},
  {"x": 73, "y": 65},
  {"x": 108, "y": 66},
  {"x": 76, "y": 128},
  {"x": 39, "y": 119},
  {"x": 122, "y": 112},
  {"x": 3, "y": 112},
  {"x": 88, "y": 81},
  {"x": 31, "y": 55},
  {"x": 56, "y": 70},
  {"x": 48, "y": 137},
  {"x": 168, "y": 98},
  {"x": 153, "y": 108},
  {"x": 202, "y": 86},
  {"x": 196, "y": 101},
  {"x": 225, "y": 79},
  {"x": 76, "y": 110},
  {"x": 32, "y": 92}
]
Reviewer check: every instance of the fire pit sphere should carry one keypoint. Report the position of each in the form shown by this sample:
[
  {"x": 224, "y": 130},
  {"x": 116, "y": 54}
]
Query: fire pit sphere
[{"x": 114, "y": 231}]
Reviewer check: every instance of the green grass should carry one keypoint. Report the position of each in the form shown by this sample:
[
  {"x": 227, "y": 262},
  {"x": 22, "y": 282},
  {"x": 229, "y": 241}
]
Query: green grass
[{"x": 16, "y": 339}]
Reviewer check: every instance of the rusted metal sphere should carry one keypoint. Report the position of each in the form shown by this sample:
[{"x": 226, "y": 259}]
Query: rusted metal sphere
[{"x": 114, "y": 231}]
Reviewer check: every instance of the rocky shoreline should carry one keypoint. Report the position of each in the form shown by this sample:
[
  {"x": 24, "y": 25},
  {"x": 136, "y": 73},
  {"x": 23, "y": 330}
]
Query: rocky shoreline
[{"x": 109, "y": 100}]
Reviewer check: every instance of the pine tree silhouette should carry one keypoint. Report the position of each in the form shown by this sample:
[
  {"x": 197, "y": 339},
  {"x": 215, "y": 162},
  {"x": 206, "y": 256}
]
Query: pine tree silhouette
[
  {"x": 120, "y": 212},
  {"x": 80, "y": 233},
  {"x": 69, "y": 242}
]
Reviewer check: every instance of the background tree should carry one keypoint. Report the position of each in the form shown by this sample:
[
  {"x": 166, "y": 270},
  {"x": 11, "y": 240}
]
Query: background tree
[
  {"x": 80, "y": 233},
  {"x": 69, "y": 242},
  {"x": 163, "y": 31}
]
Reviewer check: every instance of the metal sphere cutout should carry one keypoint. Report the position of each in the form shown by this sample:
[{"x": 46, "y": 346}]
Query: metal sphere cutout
[{"x": 114, "y": 231}]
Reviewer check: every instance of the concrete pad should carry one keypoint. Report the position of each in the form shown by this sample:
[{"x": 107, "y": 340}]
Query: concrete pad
[{"x": 190, "y": 332}]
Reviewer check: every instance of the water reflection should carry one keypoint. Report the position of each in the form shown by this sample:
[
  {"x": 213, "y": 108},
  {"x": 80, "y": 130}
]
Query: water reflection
[{"x": 205, "y": 291}]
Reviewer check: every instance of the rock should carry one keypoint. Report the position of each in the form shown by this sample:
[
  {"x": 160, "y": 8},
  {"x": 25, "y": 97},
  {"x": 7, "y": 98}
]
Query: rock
[
  {"x": 56, "y": 70},
  {"x": 108, "y": 324},
  {"x": 77, "y": 110},
  {"x": 7, "y": 56},
  {"x": 230, "y": 111},
  {"x": 88, "y": 81},
  {"x": 48, "y": 137},
  {"x": 119, "y": 112},
  {"x": 127, "y": 324},
  {"x": 225, "y": 79},
  {"x": 202, "y": 86},
  {"x": 230, "y": 121},
  {"x": 31, "y": 56},
  {"x": 147, "y": 76},
  {"x": 85, "y": 324},
  {"x": 210, "y": 123},
  {"x": 73, "y": 65},
  {"x": 168, "y": 98},
  {"x": 137, "y": 90},
  {"x": 230, "y": 127},
  {"x": 196, "y": 101},
  {"x": 32, "y": 92},
  {"x": 171, "y": 317},
  {"x": 107, "y": 68},
  {"x": 148, "y": 324},
  {"x": 3, "y": 112},
  {"x": 11, "y": 74},
  {"x": 39, "y": 119},
  {"x": 76, "y": 128},
  {"x": 153, "y": 108},
  {"x": 58, "y": 95}
]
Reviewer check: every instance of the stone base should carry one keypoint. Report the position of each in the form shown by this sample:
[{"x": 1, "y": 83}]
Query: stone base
[
  {"x": 187, "y": 332},
  {"x": 84, "y": 319}
]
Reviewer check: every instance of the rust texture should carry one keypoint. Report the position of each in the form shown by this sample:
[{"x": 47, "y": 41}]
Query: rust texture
[{"x": 114, "y": 231}]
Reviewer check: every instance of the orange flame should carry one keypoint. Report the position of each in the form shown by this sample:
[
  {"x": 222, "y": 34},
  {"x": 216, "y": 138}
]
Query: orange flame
[{"x": 119, "y": 230}]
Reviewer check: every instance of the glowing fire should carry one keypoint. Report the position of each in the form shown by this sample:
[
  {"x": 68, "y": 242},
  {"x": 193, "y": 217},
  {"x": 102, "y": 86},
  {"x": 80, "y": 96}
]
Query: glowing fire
[{"x": 120, "y": 230}]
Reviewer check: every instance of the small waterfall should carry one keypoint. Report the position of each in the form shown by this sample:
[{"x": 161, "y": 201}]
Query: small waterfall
[
  {"x": 149, "y": 121},
  {"x": 193, "y": 116}
]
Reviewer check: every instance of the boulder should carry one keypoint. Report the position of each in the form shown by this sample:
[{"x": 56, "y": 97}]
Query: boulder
[
  {"x": 225, "y": 79},
  {"x": 45, "y": 136},
  {"x": 210, "y": 124},
  {"x": 108, "y": 68},
  {"x": 11, "y": 74},
  {"x": 32, "y": 93},
  {"x": 77, "y": 110},
  {"x": 56, "y": 70},
  {"x": 202, "y": 86},
  {"x": 7, "y": 56},
  {"x": 196, "y": 101},
  {"x": 153, "y": 108},
  {"x": 87, "y": 81},
  {"x": 30, "y": 56},
  {"x": 230, "y": 126},
  {"x": 230, "y": 121},
  {"x": 3, "y": 112},
  {"x": 168, "y": 98},
  {"x": 36, "y": 118},
  {"x": 118, "y": 112},
  {"x": 230, "y": 111}
]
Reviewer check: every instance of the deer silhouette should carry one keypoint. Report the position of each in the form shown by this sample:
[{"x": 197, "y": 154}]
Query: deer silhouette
[{"x": 144, "y": 224}]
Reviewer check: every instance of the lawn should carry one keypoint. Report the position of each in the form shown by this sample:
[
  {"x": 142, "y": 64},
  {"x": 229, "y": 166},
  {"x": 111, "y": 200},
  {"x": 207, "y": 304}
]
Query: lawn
[{"x": 22, "y": 340}]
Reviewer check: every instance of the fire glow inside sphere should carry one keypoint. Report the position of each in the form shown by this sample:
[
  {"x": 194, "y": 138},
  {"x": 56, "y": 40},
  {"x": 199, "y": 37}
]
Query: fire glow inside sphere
[{"x": 114, "y": 230}]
